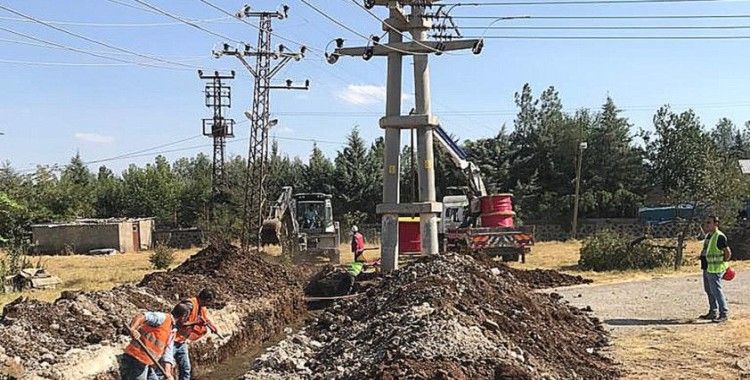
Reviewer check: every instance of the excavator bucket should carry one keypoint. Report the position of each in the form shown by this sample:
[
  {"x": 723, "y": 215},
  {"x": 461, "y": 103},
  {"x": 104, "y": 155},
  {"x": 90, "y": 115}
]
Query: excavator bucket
[{"x": 270, "y": 231}]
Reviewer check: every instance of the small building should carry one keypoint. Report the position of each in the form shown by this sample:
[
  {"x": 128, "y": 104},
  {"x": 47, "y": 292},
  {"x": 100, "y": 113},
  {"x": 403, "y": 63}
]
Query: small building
[{"x": 85, "y": 235}]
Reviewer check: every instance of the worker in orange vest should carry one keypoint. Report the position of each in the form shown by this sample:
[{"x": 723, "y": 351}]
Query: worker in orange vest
[
  {"x": 194, "y": 328},
  {"x": 155, "y": 331}
]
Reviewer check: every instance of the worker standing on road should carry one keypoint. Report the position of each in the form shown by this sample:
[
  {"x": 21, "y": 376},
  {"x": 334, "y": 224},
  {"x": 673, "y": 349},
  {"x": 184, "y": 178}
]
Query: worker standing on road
[
  {"x": 358, "y": 243},
  {"x": 714, "y": 257},
  {"x": 155, "y": 331},
  {"x": 194, "y": 328}
]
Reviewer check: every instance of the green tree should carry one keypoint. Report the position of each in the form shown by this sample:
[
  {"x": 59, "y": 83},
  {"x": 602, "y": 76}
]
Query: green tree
[
  {"x": 355, "y": 179},
  {"x": 109, "y": 194},
  {"x": 319, "y": 173}
]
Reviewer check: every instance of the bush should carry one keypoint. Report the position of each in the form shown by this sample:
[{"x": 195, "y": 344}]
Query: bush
[
  {"x": 611, "y": 251},
  {"x": 162, "y": 257}
]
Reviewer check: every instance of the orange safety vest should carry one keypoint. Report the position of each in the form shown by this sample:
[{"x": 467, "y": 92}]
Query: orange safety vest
[
  {"x": 193, "y": 332},
  {"x": 155, "y": 339}
]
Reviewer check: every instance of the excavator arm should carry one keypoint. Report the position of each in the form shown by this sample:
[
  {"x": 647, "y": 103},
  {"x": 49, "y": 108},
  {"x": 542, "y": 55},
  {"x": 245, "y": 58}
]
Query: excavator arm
[
  {"x": 459, "y": 158},
  {"x": 281, "y": 223}
]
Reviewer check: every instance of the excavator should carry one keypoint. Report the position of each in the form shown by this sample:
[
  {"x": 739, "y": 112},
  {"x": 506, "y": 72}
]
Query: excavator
[
  {"x": 455, "y": 233},
  {"x": 302, "y": 224}
]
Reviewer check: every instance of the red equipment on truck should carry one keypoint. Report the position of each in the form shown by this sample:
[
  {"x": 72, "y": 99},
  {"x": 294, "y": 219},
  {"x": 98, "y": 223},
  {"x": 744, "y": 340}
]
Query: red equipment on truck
[{"x": 491, "y": 229}]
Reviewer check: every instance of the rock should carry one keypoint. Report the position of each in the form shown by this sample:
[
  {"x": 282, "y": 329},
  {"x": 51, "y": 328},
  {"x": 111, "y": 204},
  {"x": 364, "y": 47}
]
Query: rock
[
  {"x": 48, "y": 358},
  {"x": 54, "y": 326}
]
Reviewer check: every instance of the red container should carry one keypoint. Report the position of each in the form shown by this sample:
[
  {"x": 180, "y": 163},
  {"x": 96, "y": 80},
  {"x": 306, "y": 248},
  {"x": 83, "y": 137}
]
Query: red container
[
  {"x": 498, "y": 219},
  {"x": 409, "y": 236},
  {"x": 496, "y": 203},
  {"x": 497, "y": 210}
]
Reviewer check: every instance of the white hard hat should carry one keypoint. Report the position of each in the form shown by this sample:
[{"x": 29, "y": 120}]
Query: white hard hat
[{"x": 355, "y": 229}]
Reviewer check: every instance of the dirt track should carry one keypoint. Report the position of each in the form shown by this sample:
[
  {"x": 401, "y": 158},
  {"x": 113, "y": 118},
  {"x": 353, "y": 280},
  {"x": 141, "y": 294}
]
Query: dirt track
[{"x": 656, "y": 334}]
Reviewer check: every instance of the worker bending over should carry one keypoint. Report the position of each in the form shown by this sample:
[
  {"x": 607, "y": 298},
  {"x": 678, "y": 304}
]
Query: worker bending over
[
  {"x": 194, "y": 328},
  {"x": 358, "y": 243},
  {"x": 153, "y": 336},
  {"x": 714, "y": 257}
]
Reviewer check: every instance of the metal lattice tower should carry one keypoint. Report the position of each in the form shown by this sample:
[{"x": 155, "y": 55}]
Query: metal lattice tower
[
  {"x": 259, "y": 114},
  {"x": 217, "y": 96}
]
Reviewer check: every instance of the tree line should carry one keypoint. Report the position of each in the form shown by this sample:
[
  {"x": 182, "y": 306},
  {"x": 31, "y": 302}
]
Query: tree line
[{"x": 680, "y": 161}]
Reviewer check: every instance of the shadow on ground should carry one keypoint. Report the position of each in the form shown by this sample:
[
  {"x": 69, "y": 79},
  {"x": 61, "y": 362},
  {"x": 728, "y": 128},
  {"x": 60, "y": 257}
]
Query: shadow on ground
[{"x": 647, "y": 322}]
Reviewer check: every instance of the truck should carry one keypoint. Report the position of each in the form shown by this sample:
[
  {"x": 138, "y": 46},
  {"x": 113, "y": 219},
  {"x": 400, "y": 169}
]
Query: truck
[
  {"x": 302, "y": 224},
  {"x": 456, "y": 233}
]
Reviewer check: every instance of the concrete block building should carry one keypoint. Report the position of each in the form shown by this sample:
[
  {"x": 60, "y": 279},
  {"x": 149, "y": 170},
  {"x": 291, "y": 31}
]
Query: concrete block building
[{"x": 85, "y": 235}]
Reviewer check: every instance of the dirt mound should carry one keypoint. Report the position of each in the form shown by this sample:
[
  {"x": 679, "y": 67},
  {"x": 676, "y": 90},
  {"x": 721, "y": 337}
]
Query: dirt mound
[
  {"x": 39, "y": 335},
  {"x": 225, "y": 268},
  {"x": 445, "y": 317},
  {"x": 546, "y": 278}
]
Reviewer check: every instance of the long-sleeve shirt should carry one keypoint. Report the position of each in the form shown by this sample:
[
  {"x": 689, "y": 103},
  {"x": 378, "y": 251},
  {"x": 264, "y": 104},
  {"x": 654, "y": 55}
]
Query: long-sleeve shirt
[{"x": 155, "y": 319}]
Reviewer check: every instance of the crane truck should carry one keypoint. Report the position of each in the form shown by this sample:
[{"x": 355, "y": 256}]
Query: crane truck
[{"x": 455, "y": 234}]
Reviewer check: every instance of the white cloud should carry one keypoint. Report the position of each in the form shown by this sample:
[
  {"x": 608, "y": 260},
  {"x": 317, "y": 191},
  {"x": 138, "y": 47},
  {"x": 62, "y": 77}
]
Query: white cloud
[
  {"x": 94, "y": 138},
  {"x": 362, "y": 94},
  {"x": 368, "y": 94}
]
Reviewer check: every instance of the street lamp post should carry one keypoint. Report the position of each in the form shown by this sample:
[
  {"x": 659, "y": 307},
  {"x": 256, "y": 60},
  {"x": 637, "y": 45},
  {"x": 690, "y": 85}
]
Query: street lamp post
[{"x": 581, "y": 147}]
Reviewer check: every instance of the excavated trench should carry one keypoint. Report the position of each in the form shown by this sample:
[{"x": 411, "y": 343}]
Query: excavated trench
[
  {"x": 81, "y": 334},
  {"x": 487, "y": 312}
]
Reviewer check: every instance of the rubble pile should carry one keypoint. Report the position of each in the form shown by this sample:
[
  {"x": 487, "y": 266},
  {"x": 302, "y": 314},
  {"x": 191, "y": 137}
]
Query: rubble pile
[
  {"x": 449, "y": 316},
  {"x": 257, "y": 299}
]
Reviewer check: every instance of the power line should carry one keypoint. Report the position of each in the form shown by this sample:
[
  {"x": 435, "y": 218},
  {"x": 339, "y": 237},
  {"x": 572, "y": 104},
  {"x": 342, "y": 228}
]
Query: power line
[
  {"x": 43, "y": 63},
  {"x": 639, "y": 27},
  {"x": 396, "y": 30},
  {"x": 91, "y": 40},
  {"x": 45, "y": 45},
  {"x": 185, "y": 21},
  {"x": 342, "y": 25},
  {"x": 636, "y": 17},
  {"x": 574, "y": 2},
  {"x": 115, "y": 25},
  {"x": 222, "y": 10},
  {"x": 614, "y": 37},
  {"x": 65, "y": 47}
]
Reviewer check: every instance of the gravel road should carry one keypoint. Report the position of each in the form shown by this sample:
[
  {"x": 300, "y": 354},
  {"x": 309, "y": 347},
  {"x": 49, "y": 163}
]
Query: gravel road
[
  {"x": 661, "y": 301},
  {"x": 656, "y": 333}
]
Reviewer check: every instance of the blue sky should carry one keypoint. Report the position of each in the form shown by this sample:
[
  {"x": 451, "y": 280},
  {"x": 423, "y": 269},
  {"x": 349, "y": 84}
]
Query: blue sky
[{"x": 48, "y": 112}]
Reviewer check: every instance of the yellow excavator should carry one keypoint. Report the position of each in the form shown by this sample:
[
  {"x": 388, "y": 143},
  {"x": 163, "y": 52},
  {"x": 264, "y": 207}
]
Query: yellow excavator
[{"x": 303, "y": 225}]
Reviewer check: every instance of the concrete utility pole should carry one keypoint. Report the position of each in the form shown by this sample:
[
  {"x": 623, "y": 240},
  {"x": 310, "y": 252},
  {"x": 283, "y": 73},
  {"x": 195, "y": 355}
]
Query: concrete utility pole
[
  {"x": 581, "y": 147},
  {"x": 417, "y": 23},
  {"x": 263, "y": 72},
  {"x": 218, "y": 96}
]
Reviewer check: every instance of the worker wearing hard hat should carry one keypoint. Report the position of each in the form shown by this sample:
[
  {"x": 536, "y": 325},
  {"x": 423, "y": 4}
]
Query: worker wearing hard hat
[
  {"x": 714, "y": 257},
  {"x": 358, "y": 243}
]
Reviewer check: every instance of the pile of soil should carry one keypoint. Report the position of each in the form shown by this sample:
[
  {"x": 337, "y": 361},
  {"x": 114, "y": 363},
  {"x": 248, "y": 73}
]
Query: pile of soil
[
  {"x": 39, "y": 335},
  {"x": 448, "y": 316},
  {"x": 546, "y": 278},
  {"x": 230, "y": 272}
]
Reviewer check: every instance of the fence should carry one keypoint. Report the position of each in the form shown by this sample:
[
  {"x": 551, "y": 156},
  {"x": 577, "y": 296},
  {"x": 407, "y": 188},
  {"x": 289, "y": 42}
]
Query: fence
[{"x": 558, "y": 232}]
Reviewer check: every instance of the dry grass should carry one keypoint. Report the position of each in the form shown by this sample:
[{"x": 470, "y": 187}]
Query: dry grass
[
  {"x": 93, "y": 272},
  {"x": 563, "y": 256},
  {"x": 700, "y": 351}
]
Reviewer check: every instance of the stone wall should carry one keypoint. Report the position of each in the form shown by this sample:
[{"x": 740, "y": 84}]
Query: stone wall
[{"x": 55, "y": 239}]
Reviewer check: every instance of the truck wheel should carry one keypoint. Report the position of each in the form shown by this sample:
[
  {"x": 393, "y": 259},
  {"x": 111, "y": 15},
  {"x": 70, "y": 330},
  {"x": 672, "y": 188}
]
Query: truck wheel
[{"x": 511, "y": 257}]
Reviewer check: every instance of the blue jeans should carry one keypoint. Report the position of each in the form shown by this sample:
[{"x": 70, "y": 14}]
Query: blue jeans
[
  {"x": 717, "y": 302},
  {"x": 182, "y": 357},
  {"x": 132, "y": 369}
]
